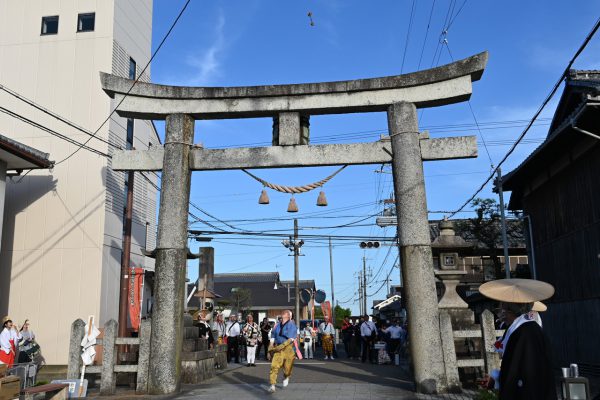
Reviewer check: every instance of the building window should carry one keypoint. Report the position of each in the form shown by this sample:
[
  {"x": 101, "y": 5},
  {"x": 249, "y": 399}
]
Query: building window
[
  {"x": 129, "y": 133},
  {"x": 86, "y": 22},
  {"x": 132, "y": 68},
  {"x": 50, "y": 25}
]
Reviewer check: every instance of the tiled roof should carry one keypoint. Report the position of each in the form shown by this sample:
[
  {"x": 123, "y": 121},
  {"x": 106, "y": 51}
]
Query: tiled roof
[
  {"x": 516, "y": 238},
  {"x": 247, "y": 277},
  {"x": 19, "y": 151}
]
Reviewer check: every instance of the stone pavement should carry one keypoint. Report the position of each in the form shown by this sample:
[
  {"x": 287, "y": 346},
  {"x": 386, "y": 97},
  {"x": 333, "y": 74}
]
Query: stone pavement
[{"x": 339, "y": 379}]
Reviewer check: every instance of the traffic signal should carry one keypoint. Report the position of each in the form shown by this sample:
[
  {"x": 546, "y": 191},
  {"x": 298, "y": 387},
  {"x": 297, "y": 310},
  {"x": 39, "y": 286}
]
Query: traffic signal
[{"x": 369, "y": 245}]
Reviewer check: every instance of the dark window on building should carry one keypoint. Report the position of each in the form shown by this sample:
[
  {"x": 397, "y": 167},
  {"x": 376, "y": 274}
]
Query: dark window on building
[
  {"x": 86, "y": 22},
  {"x": 129, "y": 133},
  {"x": 50, "y": 25},
  {"x": 132, "y": 68}
]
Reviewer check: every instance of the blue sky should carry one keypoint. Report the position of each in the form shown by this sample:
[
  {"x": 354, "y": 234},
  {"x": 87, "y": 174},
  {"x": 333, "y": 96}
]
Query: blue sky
[{"x": 229, "y": 43}]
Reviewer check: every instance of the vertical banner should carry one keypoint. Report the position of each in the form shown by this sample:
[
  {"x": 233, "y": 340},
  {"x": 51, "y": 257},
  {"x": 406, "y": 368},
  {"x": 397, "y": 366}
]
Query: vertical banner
[
  {"x": 136, "y": 279},
  {"x": 326, "y": 308}
]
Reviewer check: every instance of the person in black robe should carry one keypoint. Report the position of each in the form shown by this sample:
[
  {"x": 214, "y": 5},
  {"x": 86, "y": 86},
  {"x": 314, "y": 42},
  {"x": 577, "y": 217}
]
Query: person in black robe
[{"x": 526, "y": 369}]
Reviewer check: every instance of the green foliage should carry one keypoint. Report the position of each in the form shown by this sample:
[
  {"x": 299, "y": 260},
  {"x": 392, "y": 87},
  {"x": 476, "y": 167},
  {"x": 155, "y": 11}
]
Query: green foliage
[
  {"x": 486, "y": 394},
  {"x": 340, "y": 314},
  {"x": 486, "y": 228}
]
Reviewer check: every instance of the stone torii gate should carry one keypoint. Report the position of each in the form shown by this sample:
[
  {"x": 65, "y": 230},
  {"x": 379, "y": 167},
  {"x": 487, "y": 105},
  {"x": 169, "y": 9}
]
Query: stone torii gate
[{"x": 290, "y": 106}]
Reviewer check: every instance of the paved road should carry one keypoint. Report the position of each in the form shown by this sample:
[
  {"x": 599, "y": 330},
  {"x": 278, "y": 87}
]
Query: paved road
[
  {"x": 338, "y": 379},
  {"x": 311, "y": 379}
]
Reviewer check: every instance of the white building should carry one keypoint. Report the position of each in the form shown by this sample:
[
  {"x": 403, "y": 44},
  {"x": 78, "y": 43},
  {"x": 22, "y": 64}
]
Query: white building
[{"x": 63, "y": 228}]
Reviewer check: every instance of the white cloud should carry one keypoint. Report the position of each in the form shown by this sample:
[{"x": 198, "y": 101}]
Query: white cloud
[{"x": 207, "y": 65}]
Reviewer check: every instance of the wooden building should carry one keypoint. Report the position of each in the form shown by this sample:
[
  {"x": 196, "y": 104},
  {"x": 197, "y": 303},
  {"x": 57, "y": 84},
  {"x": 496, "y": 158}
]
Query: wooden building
[{"x": 558, "y": 189}]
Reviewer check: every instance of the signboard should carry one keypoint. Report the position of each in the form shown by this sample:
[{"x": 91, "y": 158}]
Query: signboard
[{"x": 320, "y": 296}]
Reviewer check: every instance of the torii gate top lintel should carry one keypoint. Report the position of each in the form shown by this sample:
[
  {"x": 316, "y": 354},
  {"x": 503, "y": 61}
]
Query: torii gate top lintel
[{"x": 447, "y": 84}]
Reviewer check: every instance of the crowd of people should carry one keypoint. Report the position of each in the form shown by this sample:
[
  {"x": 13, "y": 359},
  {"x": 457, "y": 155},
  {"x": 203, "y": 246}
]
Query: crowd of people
[
  {"x": 251, "y": 341},
  {"x": 17, "y": 345}
]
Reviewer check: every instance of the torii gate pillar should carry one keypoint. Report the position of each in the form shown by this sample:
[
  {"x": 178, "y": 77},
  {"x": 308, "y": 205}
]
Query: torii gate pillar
[
  {"x": 415, "y": 249},
  {"x": 171, "y": 257}
]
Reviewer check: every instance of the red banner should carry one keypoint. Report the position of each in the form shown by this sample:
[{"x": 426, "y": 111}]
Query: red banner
[
  {"x": 326, "y": 308},
  {"x": 136, "y": 279}
]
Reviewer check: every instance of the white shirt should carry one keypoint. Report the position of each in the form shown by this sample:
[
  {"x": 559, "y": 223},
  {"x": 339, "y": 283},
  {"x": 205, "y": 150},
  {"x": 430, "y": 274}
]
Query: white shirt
[
  {"x": 394, "y": 331},
  {"x": 367, "y": 328},
  {"x": 5, "y": 337},
  {"x": 219, "y": 326},
  {"x": 232, "y": 329},
  {"x": 327, "y": 328},
  {"x": 306, "y": 333}
]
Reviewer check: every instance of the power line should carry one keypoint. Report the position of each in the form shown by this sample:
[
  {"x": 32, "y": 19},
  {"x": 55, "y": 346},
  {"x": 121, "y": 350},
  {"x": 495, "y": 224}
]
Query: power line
[
  {"x": 134, "y": 82},
  {"x": 51, "y": 131},
  {"x": 386, "y": 278},
  {"x": 426, "y": 34},
  {"x": 52, "y": 114},
  {"x": 471, "y": 108},
  {"x": 537, "y": 113},
  {"x": 410, "y": 23}
]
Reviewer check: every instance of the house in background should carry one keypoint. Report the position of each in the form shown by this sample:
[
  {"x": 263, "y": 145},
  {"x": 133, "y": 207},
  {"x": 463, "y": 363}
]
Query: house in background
[
  {"x": 63, "y": 228},
  {"x": 262, "y": 294},
  {"x": 558, "y": 189}
]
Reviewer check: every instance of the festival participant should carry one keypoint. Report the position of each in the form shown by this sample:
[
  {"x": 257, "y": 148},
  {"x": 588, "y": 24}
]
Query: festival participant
[
  {"x": 355, "y": 340},
  {"x": 368, "y": 333},
  {"x": 265, "y": 330},
  {"x": 251, "y": 333},
  {"x": 282, "y": 350},
  {"x": 219, "y": 326},
  {"x": 347, "y": 335},
  {"x": 205, "y": 331},
  {"x": 232, "y": 333},
  {"x": 308, "y": 335},
  {"x": 328, "y": 331},
  {"x": 526, "y": 369},
  {"x": 8, "y": 339},
  {"x": 395, "y": 336},
  {"x": 27, "y": 344}
]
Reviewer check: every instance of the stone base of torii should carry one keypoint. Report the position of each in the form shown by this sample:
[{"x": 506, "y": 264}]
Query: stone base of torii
[{"x": 405, "y": 148}]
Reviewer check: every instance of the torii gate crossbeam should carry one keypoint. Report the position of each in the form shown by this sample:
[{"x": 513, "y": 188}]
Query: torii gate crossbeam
[{"x": 290, "y": 106}]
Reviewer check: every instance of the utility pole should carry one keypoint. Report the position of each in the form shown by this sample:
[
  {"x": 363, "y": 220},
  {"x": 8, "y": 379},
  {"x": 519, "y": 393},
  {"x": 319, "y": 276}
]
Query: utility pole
[
  {"x": 296, "y": 274},
  {"x": 360, "y": 310},
  {"x": 294, "y": 246},
  {"x": 364, "y": 285},
  {"x": 331, "y": 274},
  {"x": 125, "y": 258},
  {"x": 503, "y": 219}
]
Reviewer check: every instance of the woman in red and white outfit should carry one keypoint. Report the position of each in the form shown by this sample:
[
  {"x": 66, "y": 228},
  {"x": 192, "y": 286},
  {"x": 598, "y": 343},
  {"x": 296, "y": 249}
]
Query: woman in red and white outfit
[{"x": 8, "y": 339}]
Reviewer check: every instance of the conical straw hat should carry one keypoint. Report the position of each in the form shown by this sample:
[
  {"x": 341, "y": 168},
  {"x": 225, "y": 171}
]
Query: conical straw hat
[
  {"x": 517, "y": 290},
  {"x": 539, "y": 306}
]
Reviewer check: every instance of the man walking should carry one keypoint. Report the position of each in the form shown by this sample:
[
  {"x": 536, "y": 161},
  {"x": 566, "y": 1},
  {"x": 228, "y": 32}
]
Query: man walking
[
  {"x": 328, "y": 332},
  {"x": 368, "y": 333},
  {"x": 282, "y": 350},
  {"x": 395, "y": 333},
  {"x": 232, "y": 332}
]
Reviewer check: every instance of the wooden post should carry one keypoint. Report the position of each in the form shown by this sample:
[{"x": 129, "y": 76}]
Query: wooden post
[{"x": 108, "y": 381}]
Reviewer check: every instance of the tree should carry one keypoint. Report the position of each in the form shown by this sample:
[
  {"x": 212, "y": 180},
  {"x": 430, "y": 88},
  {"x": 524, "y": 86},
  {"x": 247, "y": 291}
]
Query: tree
[
  {"x": 340, "y": 314},
  {"x": 486, "y": 228},
  {"x": 241, "y": 299}
]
